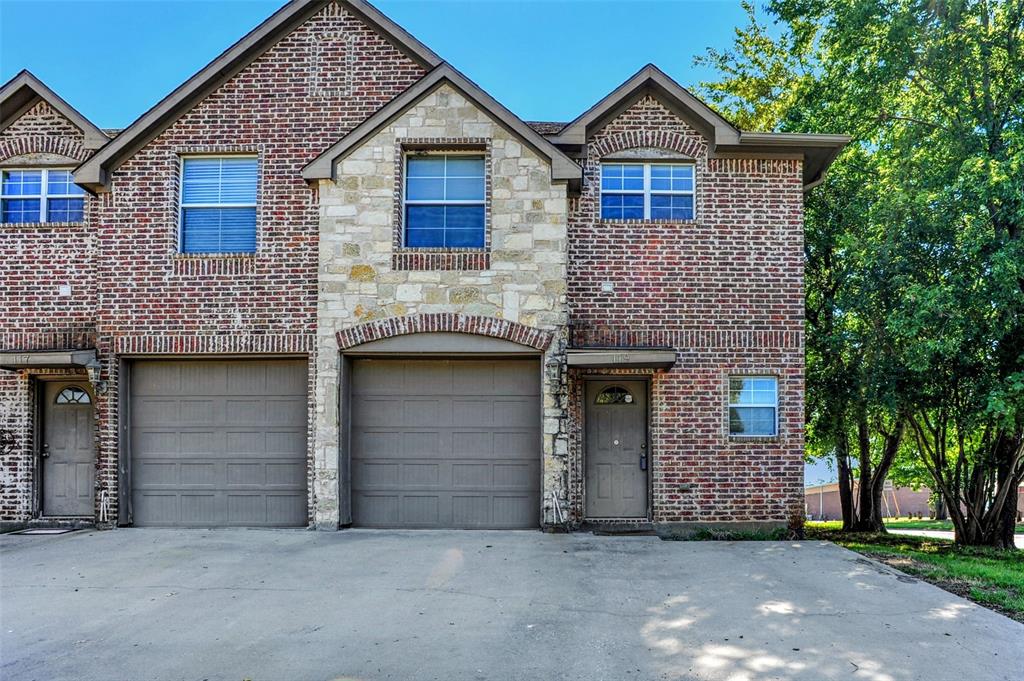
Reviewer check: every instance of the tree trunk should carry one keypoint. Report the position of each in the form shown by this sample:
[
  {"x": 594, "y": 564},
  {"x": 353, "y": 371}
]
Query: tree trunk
[
  {"x": 867, "y": 506},
  {"x": 940, "y": 508},
  {"x": 845, "y": 483}
]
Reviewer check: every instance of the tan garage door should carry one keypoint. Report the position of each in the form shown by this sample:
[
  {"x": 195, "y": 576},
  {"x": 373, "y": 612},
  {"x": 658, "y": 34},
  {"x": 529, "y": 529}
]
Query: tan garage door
[
  {"x": 218, "y": 443},
  {"x": 445, "y": 443}
]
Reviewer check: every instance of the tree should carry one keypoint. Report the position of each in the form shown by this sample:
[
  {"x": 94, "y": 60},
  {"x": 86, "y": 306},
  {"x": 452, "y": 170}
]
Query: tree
[{"x": 915, "y": 272}]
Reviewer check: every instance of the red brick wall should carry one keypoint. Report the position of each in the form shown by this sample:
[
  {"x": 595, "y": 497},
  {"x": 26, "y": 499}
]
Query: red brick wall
[
  {"x": 294, "y": 101},
  {"x": 725, "y": 290},
  {"x": 131, "y": 292},
  {"x": 36, "y": 260}
]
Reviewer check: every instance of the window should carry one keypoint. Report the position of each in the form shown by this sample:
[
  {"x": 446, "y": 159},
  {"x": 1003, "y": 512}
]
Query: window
[
  {"x": 647, "y": 191},
  {"x": 72, "y": 395},
  {"x": 753, "y": 406},
  {"x": 43, "y": 195},
  {"x": 218, "y": 204},
  {"x": 614, "y": 394},
  {"x": 444, "y": 201}
]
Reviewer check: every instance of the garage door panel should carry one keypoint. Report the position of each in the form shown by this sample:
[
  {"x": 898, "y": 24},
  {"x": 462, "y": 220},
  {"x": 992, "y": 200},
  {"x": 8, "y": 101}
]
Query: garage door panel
[
  {"x": 284, "y": 380},
  {"x": 515, "y": 413},
  {"x": 285, "y": 411},
  {"x": 426, "y": 412},
  {"x": 159, "y": 380},
  {"x": 427, "y": 378},
  {"x": 228, "y": 449},
  {"x": 202, "y": 378},
  {"x": 462, "y": 450},
  {"x": 473, "y": 410}
]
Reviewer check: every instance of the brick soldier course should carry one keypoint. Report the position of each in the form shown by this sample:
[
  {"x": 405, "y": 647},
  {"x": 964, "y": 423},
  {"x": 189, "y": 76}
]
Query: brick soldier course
[{"x": 330, "y": 97}]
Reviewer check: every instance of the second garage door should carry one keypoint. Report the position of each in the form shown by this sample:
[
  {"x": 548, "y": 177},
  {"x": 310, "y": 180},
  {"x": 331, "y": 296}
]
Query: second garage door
[
  {"x": 217, "y": 443},
  {"x": 445, "y": 443}
]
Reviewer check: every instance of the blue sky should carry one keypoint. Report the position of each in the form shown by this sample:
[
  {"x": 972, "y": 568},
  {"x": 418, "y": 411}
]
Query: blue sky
[{"x": 543, "y": 59}]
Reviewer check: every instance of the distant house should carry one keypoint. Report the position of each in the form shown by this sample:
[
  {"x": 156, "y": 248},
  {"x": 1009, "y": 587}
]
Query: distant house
[{"x": 822, "y": 501}]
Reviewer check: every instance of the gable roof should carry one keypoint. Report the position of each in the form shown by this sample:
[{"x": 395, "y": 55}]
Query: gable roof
[
  {"x": 817, "y": 151},
  {"x": 94, "y": 173},
  {"x": 649, "y": 80},
  {"x": 562, "y": 167},
  {"x": 23, "y": 92}
]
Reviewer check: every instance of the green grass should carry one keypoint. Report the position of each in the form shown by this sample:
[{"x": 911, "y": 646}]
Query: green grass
[
  {"x": 902, "y": 524},
  {"x": 986, "y": 576}
]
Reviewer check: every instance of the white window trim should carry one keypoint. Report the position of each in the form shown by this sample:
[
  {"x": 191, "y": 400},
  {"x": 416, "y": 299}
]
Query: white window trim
[
  {"x": 182, "y": 205},
  {"x": 434, "y": 202},
  {"x": 774, "y": 405},
  {"x": 647, "y": 191},
  {"x": 43, "y": 196}
]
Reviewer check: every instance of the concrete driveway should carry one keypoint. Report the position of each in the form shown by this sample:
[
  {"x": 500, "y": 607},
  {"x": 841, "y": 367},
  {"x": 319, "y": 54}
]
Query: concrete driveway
[{"x": 296, "y": 605}]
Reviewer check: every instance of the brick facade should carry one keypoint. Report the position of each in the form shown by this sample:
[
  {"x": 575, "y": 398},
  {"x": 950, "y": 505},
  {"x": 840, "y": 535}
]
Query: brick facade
[
  {"x": 36, "y": 313},
  {"x": 723, "y": 290}
]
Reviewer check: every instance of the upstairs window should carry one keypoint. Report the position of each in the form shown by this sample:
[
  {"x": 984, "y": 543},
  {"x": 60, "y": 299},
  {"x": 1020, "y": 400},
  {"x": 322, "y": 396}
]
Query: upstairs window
[
  {"x": 218, "y": 204},
  {"x": 647, "y": 191},
  {"x": 753, "y": 406},
  {"x": 444, "y": 201},
  {"x": 41, "y": 195}
]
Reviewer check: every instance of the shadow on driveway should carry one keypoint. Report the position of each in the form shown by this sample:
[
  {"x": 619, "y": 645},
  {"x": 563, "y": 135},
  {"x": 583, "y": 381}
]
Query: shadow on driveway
[{"x": 279, "y": 604}]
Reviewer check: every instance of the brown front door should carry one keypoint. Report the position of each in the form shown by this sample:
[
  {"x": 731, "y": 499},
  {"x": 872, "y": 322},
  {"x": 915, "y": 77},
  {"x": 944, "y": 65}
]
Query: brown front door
[
  {"x": 68, "y": 450},
  {"x": 616, "y": 449}
]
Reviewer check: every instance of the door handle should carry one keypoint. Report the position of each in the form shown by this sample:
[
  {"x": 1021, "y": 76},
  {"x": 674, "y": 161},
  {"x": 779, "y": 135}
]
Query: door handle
[
  {"x": 46, "y": 451},
  {"x": 643, "y": 456}
]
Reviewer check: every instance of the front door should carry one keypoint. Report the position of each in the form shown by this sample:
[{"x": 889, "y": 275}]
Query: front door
[
  {"x": 616, "y": 449},
  {"x": 68, "y": 450}
]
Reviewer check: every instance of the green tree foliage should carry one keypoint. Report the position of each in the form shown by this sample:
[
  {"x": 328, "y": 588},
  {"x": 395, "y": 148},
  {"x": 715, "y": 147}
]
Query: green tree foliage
[{"x": 915, "y": 250}]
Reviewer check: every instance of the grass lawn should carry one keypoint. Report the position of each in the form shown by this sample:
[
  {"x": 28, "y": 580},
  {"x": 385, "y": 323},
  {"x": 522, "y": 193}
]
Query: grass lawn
[{"x": 994, "y": 579}]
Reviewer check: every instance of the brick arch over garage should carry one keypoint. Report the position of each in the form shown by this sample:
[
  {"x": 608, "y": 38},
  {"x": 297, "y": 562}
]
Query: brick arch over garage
[
  {"x": 445, "y": 322},
  {"x": 40, "y": 144}
]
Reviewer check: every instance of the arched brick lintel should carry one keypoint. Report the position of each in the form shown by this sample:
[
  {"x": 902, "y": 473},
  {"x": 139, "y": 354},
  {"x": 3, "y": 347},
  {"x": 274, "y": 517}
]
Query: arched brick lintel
[
  {"x": 445, "y": 322},
  {"x": 41, "y": 144},
  {"x": 689, "y": 145}
]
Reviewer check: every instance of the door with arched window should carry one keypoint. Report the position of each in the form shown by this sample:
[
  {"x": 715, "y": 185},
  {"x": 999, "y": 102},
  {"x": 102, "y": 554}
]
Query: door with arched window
[
  {"x": 616, "y": 455},
  {"x": 68, "y": 449}
]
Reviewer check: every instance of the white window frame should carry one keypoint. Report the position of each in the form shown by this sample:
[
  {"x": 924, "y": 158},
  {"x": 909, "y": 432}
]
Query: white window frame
[
  {"x": 43, "y": 196},
  {"x": 433, "y": 202},
  {"x": 181, "y": 197},
  {"x": 647, "y": 191},
  {"x": 730, "y": 405}
]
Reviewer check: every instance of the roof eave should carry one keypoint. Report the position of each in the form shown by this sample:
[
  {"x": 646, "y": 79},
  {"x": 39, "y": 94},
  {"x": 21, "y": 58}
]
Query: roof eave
[
  {"x": 649, "y": 78},
  {"x": 25, "y": 90},
  {"x": 563, "y": 169},
  {"x": 818, "y": 151}
]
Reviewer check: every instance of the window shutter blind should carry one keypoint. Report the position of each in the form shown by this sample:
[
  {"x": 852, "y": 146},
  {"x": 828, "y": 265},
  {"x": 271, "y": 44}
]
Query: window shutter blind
[{"x": 218, "y": 205}]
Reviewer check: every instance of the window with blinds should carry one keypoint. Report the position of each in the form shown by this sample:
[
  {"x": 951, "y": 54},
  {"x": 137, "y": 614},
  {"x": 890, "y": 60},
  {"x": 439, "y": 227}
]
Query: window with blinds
[{"x": 218, "y": 204}]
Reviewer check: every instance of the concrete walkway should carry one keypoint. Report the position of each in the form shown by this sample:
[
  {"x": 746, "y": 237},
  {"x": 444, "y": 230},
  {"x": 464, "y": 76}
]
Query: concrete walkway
[
  {"x": 295, "y": 605},
  {"x": 1018, "y": 539}
]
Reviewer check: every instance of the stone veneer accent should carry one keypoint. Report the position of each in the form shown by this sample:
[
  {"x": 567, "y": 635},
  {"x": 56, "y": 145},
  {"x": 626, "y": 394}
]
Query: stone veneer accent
[{"x": 363, "y": 296}]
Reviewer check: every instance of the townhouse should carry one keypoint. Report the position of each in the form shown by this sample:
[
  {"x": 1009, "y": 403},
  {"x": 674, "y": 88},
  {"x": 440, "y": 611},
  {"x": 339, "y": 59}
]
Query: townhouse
[{"x": 329, "y": 281}]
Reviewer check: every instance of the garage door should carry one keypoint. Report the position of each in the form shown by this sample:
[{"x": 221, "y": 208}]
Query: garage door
[
  {"x": 445, "y": 443},
  {"x": 218, "y": 443}
]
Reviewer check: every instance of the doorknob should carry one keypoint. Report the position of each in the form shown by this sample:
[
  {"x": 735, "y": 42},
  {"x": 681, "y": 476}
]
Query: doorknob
[{"x": 46, "y": 450}]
